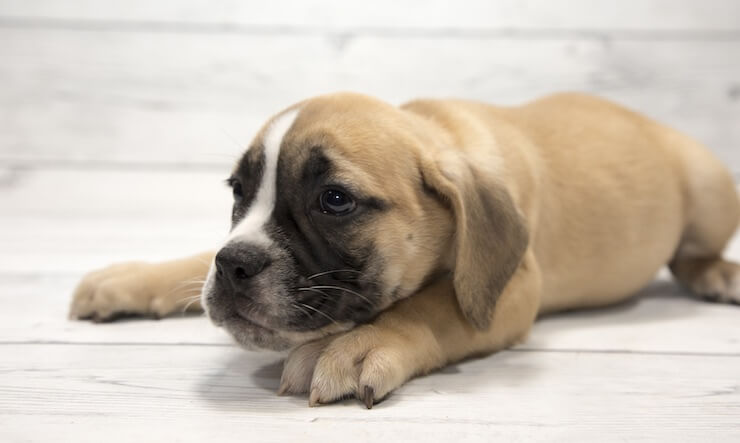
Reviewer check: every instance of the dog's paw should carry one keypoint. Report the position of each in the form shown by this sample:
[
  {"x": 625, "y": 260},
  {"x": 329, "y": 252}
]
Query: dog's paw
[
  {"x": 367, "y": 363},
  {"x": 719, "y": 281},
  {"x": 298, "y": 367},
  {"x": 121, "y": 289}
]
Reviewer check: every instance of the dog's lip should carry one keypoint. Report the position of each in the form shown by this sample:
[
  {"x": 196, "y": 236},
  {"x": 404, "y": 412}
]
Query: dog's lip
[
  {"x": 271, "y": 339},
  {"x": 243, "y": 317},
  {"x": 235, "y": 315}
]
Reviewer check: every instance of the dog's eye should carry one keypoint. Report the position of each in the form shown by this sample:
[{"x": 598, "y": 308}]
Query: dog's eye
[
  {"x": 336, "y": 202},
  {"x": 237, "y": 190}
]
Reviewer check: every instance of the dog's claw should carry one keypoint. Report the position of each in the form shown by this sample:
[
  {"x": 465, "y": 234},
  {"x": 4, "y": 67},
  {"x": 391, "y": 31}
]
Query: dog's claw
[
  {"x": 283, "y": 389},
  {"x": 369, "y": 395},
  {"x": 96, "y": 318},
  {"x": 363, "y": 364},
  {"x": 313, "y": 399}
]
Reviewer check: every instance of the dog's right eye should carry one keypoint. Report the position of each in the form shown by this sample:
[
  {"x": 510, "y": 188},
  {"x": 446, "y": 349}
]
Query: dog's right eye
[
  {"x": 237, "y": 190},
  {"x": 335, "y": 202}
]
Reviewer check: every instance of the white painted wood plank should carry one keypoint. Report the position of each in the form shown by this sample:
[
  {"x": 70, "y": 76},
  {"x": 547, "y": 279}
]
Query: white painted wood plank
[
  {"x": 56, "y": 225},
  {"x": 35, "y": 309},
  {"x": 130, "y": 194},
  {"x": 71, "y": 221},
  {"x": 77, "y": 220},
  {"x": 597, "y": 15},
  {"x": 121, "y": 393},
  {"x": 135, "y": 96},
  {"x": 662, "y": 319},
  {"x": 198, "y": 99},
  {"x": 73, "y": 245}
]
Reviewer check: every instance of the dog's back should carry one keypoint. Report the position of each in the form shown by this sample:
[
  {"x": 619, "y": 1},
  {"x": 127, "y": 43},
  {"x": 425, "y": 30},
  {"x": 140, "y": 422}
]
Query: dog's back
[{"x": 616, "y": 195}]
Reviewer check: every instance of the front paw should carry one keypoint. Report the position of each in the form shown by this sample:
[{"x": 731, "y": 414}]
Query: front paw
[
  {"x": 366, "y": 363},
  {"x": 121, "y": 289},
  {"x": 298, "y": 367}
]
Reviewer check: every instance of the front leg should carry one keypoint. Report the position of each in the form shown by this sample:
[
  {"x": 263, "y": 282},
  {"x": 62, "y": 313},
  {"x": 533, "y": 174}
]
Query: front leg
[
  {"x": 155, "y": 289},
  {"x": 417, "y": 335}
]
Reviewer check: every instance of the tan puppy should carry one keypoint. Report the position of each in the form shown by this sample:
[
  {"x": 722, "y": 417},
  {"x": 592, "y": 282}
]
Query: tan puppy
[{"x": 377, "y": 243}]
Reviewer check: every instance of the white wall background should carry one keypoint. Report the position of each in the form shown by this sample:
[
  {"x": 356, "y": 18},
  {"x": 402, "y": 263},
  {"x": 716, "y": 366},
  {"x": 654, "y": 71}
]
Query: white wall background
[{"x": 168, "y": 84}]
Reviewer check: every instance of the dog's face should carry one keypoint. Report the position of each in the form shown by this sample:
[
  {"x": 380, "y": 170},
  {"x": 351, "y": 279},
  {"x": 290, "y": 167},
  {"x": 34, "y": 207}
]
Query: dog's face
[{"x": 332, "y": 222}]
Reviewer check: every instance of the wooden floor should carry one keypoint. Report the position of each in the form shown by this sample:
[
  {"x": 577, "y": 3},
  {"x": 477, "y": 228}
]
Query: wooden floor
[
  {"x": 662, "y": 367},
  {"x": 120, "y": 120}
]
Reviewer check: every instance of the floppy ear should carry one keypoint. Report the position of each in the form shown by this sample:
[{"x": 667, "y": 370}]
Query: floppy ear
[{"x": 490, "y": 237}]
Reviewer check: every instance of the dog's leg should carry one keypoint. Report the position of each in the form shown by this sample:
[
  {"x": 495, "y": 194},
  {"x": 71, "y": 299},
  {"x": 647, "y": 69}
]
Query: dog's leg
[
  {"x": 713, "y": 219},
  {"x": 154, "y": 289},
  {"x": 711, "y": 278},
  {"x": 419, "y": 334}
]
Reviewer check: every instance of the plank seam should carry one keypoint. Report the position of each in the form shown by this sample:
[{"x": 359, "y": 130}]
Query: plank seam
[
  {"x": 43, "y": 23},
  {"x": 23, "y": 165},
  {"x": 116, "y": 165},
  {"x": 517, "y": 350}
]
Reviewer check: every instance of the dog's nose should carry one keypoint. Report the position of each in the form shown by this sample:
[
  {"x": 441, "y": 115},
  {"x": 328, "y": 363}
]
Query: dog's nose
[{"x": 239, "y": 262}]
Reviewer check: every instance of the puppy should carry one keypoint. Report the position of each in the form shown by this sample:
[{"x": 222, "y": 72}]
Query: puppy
[{"x": 376, "y": 243}]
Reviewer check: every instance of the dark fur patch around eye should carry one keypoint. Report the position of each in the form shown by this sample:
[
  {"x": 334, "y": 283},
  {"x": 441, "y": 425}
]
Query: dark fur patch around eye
[
  {"x": 231, "y": 181},
  {"x": 248, "y": 173},
  {"x": 316, "y": 165},
  {"x": 251, "y": 165}
]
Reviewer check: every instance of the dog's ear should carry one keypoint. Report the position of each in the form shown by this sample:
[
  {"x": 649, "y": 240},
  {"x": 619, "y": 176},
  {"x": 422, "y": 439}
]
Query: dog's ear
[{"x": 490, "y": 238}]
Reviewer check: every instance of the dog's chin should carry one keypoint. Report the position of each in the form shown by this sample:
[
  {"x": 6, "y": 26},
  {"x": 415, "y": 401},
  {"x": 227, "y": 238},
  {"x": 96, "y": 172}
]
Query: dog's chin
[{"x": 254, "y": 335}]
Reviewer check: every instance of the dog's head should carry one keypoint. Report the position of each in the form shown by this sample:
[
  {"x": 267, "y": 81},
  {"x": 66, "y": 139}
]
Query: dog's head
[{"x": 343, "y": 205}]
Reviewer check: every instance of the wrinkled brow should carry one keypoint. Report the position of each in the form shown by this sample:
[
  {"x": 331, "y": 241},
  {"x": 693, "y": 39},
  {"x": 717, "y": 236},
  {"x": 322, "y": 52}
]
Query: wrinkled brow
[
  {"x": 251, "y": 165},
  {"x": 316, "y": 165}
]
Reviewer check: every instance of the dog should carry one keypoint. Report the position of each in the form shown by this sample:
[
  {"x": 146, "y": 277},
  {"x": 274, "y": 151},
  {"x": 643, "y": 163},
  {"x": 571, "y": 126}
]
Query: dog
[{"x": 376, "y": 243}]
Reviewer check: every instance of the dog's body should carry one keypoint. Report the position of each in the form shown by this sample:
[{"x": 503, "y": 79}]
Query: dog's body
[{"x": 488, "y": 215}]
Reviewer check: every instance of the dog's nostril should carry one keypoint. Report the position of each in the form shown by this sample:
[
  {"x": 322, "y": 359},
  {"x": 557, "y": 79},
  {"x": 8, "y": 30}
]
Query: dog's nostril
[
  {"x": 238, "y": 263},
  {"x": 240, "y": 274}
]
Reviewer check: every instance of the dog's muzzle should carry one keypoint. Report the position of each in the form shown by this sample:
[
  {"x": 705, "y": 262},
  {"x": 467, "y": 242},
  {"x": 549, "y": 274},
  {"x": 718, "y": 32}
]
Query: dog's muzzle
[{"x": 237, "y": 263}]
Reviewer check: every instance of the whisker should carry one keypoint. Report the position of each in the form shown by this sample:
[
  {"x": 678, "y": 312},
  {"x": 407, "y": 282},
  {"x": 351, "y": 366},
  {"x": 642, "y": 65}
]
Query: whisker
[
  {"x": 187, "y": 301},
  {"x": 338, "y": 288},
  {"x": 190, "y": 303},
  {"x": 319, "y": 312},
  {"x": 312, "y": 289},
  {"x": 306, "y": 313},
  {"x": 188, "y": 292},
  {"x": 325, "y": 298},
  {"x": 319, "y": 274},
  {"x": 188, "y": 286},
  {"x": 193, "y": 281},
  {"x": 189, "y": 297}
]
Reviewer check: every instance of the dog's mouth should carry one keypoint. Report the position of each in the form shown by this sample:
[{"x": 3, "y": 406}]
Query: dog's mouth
[
  {"x": 255, "y": 316},
  {"x": 252, "y": 335},
  {"x": 252, "y": 329},
  {"x": 247, "y": 329},
  {"x": 276, "y": 313}
]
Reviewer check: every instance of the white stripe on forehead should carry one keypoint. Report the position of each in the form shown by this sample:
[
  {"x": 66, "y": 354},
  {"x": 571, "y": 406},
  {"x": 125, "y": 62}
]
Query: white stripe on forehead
[{"x": 251, "y": 227}]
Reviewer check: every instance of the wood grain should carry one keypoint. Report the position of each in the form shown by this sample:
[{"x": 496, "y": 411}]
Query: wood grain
[
  {"x": 196, "y": 393},
  {"x": 120, "y": 120},
  {"x": 437, "y": 16},
  {"x": 91, "y": 97},
  {"x": 660, "y": 320},
  {"x": 57, "y": 224}
]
